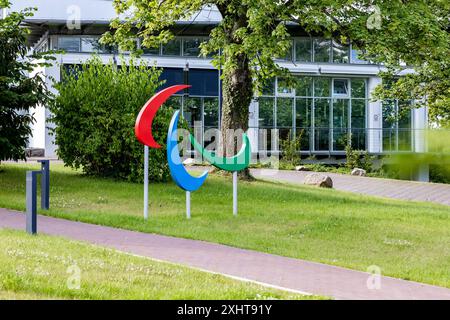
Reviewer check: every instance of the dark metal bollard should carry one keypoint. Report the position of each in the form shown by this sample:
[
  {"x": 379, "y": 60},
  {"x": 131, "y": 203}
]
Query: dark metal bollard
[
  {"x": 45, "y": 184},
  {"x": 31, "y": 201},
  {"x": 31, "y": 190}
]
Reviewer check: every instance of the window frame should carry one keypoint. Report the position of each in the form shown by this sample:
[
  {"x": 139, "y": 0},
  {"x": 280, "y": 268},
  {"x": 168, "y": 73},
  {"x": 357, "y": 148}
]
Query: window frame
[{"x": 341, "y": 95}]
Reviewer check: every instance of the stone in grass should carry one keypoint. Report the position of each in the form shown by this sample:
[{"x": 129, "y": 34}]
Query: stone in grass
[
  {"x": 189, "y": 162},
  {"x": 319, "y": 180},
  {"x": 358, "y": 172},
  {"x": 302, "y": 168}
]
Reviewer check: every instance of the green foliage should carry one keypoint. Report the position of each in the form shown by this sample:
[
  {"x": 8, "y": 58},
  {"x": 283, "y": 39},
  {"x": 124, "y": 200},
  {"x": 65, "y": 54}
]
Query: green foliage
[
  {"x": 291, "y": 148},
  {"x": 37, "y": 268},
  {"x": 18, "y": 91},
  {"x": 294, "y": 221},
  {"x": 95, "y": 114},
  {"x": 440, "y": 173},
  {"x": 357, "y": 158},
  {"x": 399, "y": 34},
  {"x": 437, "y": 155}
]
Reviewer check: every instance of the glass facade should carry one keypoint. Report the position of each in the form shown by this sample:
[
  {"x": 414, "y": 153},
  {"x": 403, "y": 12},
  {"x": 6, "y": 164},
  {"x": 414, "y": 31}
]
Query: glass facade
[
  {"x": 303, "y": 49},
  {"x": 397, "y": 119},
  {"x": 327, "y": 111},
  {"x": 83, "y": 44},
  {"x": 69, "y": 44},
  {"x": 191, "y": 47},
  {"x": 200, "y": 103},
  {"x": 172, "y": 48}
]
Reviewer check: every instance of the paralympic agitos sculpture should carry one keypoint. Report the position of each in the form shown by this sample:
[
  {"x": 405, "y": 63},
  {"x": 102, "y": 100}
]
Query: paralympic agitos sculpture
[{"x": 187, "y": 182}]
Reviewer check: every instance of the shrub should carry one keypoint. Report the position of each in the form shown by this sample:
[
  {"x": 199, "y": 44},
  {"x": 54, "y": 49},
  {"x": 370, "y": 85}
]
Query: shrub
[
  {"x": 357, "y": 158},
  {"x": 291, "y": 149},
  {"x": 95, "y": 113},
  {"x": 439, "y": 173}
]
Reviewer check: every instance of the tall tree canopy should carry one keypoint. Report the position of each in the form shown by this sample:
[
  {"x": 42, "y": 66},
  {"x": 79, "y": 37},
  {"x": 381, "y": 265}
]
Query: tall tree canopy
[
  {"x": 18, "y": 92},
  {"x": 397, "y": 33}
]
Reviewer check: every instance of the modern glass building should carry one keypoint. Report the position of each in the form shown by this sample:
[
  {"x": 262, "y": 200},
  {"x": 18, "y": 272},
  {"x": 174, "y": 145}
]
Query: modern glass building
[{"x": 331, "y": 103}]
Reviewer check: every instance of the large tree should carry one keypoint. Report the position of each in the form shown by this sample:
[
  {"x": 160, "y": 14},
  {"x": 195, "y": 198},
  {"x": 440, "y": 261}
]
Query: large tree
[
  {"x": 18, "y": 91},
  {"x": 252, "y": 32}
]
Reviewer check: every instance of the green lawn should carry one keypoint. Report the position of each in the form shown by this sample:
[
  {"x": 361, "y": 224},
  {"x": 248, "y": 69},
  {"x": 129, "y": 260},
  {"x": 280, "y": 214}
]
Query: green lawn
[
  {"x": 406, "y": 240},
  {"x": 36, "y": 267}
]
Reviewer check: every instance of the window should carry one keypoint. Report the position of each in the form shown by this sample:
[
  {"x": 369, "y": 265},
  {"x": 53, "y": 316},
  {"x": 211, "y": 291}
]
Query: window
[
  {"x": 322, "y": 87},
  {"x": 269, "y": 88},
  {"x": 321, "y": 124},
  {"x": 174, "y": 102},
  {"x": 355, "y": 56},
  {"x": 283, "y": 88},
  {"x": 211, "y": 112},
  {"x": 322, "y": 50},
  {"x": 397, "y": 125},
  {"x": 358, "y": 124},
  {"x": 288, "y": 56},
  {"x": 172, "y": 76},
  {"x": 303, "y": 109},
  {"x": 327, "y": 111},
  {"x": 303, "y": 50},
  {"x": 211, "y": 120},
  {"x": 191, "y": 47},
  {"x": 340, "y": 87},
  {"x": 266, "y": 109},
  {"x": 151, "y": 51},
  {"x": 284, "y": 112},
  {"x": 172, "y": 48},
  {"x": 340, "y": 52},
  {"x": 358, "y": 88},
  {"x": 304, "y": 87},
  {"x": 90, "y": 45},
  {"x": 266, "y": 123},
  {"x": 340, "y": 123},
  {"x": 69, "y": 44},
  {"x": 203, "y": 82},
  {"x": 404, "y": 125},
  {"x": 192, "y": 110}
]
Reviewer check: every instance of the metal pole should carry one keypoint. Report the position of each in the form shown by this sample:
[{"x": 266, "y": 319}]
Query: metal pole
[
  {"x": 220, "y": 92},
  {"x": 45, "y": 184},
  {"x": 146, "y": 182},
  {"x": 235, "y": 200},
  {"x": 188, "y": 204},
  {"x": 31, "y": 202}
]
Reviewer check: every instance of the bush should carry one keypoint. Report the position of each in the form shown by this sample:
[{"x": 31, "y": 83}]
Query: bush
[
  {"x": 95, "y": 113},
  {"x": 357, "y": 158},
  {"x": 440, "y": 173},
  {"x": 291, "y": 149}
]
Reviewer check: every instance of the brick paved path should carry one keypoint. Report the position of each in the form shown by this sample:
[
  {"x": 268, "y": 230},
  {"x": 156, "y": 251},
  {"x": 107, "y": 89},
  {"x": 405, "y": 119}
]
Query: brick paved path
[
  {"x": 389, "y": 188},
  {"x": 293, "y": 274}
]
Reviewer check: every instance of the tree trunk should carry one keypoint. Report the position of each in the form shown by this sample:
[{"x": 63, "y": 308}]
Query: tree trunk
[{"x": 237, "y": 95}]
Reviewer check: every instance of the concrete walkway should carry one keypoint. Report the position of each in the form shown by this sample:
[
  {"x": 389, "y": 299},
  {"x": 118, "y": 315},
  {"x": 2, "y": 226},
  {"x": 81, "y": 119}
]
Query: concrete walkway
[
  {"x": 389, "y": 188},
  {"x": 288, "y": 273}
]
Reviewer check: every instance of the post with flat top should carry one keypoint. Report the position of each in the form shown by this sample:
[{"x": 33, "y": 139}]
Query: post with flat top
[
  {"x": 45, "y": 184},
  {"x": 235, "y": 201},
  {"x": 31, "y": 187},
  {"x": 31, "y": 194}
]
